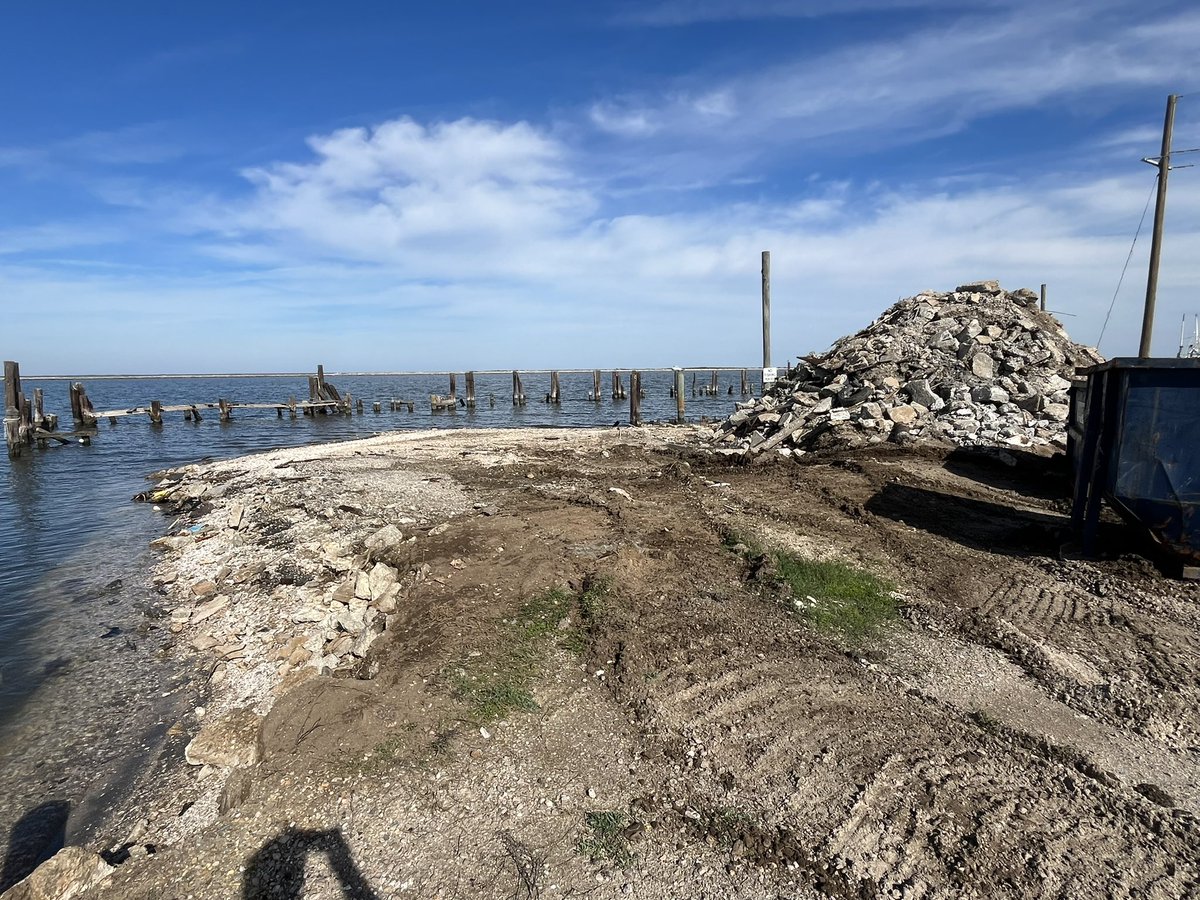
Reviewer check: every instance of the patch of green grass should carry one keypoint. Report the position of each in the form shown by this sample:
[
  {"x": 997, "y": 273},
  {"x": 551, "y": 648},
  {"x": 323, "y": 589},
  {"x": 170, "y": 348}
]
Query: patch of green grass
[
  {"x": 499, "y": 683},
  {"x": 593, "y": 607},
  {"x": 605, "y": 839},
  {"x": 845, "y": 600}
]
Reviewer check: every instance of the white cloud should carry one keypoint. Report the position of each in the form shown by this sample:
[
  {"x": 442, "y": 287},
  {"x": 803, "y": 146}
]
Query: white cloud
[{"x": 487, "y": 244}]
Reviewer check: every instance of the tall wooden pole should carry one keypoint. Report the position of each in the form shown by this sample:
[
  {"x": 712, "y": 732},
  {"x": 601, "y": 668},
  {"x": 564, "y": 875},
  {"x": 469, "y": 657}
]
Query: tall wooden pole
[
  {"x": 680, "y": 400},
  {"x": 1160, "y": 210},
  {"x": 1043, "y": 298},
  {"x": 766, "y": 307}
]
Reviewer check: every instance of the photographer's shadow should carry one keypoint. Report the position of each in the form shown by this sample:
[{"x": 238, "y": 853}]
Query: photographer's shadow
[{"x": 276, "y": 872}]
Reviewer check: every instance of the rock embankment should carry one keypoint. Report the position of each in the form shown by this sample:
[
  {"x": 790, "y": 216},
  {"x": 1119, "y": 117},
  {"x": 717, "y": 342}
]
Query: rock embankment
[{"x": 976, "y": 366}]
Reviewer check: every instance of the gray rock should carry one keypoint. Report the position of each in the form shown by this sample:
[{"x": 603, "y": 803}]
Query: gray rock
[
  {"x": 381, "y": 580},
  {"x": 987, "y": 393},
  {"x": 919, "y": 391},
  {"x": 983, "y": 366},
  {"x": 384, "y": 539},
  {"x": 979, "y": 287},
  {"x": 68, "y": 873},
  {"x": 230, "y": 740},
  {"x": 235, "y": 791}
]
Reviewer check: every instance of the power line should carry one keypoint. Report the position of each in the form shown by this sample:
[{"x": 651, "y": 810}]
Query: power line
[{"x": 1125, "y": 268}]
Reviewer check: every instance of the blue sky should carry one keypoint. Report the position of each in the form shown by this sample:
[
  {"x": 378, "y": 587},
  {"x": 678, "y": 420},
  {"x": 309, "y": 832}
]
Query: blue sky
[{"x": 256, "y": 187}]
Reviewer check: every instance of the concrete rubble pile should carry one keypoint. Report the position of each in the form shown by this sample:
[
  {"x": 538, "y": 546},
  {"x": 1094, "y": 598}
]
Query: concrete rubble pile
[{"x": 979, "y": 366}]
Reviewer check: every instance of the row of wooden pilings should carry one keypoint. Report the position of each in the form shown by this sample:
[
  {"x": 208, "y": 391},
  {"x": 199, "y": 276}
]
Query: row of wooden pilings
[{"x": 25, "y": 422}]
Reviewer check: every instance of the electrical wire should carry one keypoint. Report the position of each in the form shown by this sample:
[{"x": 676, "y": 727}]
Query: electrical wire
[{"x": 1125, "y": 268}]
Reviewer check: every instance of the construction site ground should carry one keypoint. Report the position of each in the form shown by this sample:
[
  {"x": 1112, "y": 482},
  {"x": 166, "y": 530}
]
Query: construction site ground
[{"x": 1026, "y": 726}]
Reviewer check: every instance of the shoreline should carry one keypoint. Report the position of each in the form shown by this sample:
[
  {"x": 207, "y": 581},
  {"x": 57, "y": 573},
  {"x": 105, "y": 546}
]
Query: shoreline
[
  {"x": 219, "y": 610},
  {"x": 433, "y": 659}
]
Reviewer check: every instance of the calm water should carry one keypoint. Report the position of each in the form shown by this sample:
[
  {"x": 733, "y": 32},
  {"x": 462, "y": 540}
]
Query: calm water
[{"x": 68, "y": 528}]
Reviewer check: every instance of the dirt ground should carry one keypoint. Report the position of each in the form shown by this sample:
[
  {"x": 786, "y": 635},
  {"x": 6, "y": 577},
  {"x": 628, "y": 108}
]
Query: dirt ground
[{"x": 1026, "y": 727}]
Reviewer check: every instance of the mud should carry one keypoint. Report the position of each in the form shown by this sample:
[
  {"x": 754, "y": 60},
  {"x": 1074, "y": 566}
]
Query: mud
[{"x": 1025, "y": 728}]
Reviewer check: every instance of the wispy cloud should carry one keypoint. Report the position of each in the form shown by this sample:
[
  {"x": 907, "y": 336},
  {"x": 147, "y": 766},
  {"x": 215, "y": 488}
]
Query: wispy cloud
[
  {"x": 689, "y": 12},
  {"x": 929, "y": 80}
]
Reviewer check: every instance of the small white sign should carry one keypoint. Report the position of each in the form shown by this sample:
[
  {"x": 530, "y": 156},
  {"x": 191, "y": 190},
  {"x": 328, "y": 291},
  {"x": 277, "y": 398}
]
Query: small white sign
[{"x": 770, "y": 373}]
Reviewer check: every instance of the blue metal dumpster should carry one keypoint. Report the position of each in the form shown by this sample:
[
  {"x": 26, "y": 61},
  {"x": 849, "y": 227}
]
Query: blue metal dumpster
[{"x": 1134, "y": 439}]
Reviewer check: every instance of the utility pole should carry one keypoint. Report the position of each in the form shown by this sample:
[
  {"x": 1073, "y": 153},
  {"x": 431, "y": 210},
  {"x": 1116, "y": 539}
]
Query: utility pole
[
  {"x": 1160, "y": 209},
  {"x": 766, "y": 307}
]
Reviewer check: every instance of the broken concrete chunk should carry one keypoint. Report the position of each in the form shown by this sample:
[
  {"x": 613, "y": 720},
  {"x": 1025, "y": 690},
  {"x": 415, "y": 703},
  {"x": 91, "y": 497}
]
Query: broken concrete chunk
[
  {"x": 384, "y": 539},
  {"x": 380, "y": 581},
  {"x": 232, "y": 739},
  {"x": 68, "y": 873}
]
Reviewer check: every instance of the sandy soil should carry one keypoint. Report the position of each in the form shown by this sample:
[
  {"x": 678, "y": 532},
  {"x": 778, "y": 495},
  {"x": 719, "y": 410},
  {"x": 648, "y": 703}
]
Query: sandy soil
[{"x": 1026, "y": 728}]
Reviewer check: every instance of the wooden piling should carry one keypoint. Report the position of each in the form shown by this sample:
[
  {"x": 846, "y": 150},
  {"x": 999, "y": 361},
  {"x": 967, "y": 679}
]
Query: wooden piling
[
  {"x": 360, "y": 406},
  {"x": 196, "y": 417},
  {"x": 225, "y": 408},
  {"x": 13, "y": 405},
  {"x": 39, "y": 416},
  {"x": 292, "y": 407},
  {"x": 155, "y": 412},
  {"x": 693, "y": 384},
  {"x": 377, "y": 407},
  {"x": 714, "y": 386},
  {"x": 618, "y": 389},
  {"x": 470, "y": 379},
  {"x": 518, "y": 393},
  {"x": 1043, "y": 298},
  {"x": 595, "y": 385},
  {"x": 635, "y": 398},
  {"x": 680, "y": 400},
  {"x": 81, "y": 406},
  {"x": 745, "y": 384},
  {"x": 554, "y": 396},
  {"x": 453, "y": 387}
]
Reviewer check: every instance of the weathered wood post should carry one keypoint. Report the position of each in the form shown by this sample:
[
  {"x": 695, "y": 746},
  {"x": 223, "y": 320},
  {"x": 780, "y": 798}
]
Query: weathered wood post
[
  {"x": 453, "y": 386},
  {"x": 745, "y": 384},
  {"x": 226, "y": 409},
  {"x": 377, "y": 407},
  {"x": 196, "y": 417},
  {"x": 87, "y": 413},
  {"x": 360, "y": 406},
  {"x": 618, "y": 387},
  {"x": 554, "y": 395},
  {"x": 680, "y": 400},
  {"x": 155, "y": 412},
  {"x": 76, "y": 415},
  {"x": 470, "y": 379},
  {"x": 292, "y": 407},
  {"x": 39, "y": 416},
  {"x": 518, "y": 391},
  {"x": 595, "y": 395},
  {"x": 12, "y": 407},
  {"x": 693, "y": 384},
  {"x": 714, "y": 386},
  {"x": 1043, "y": 300},
  {"x": 635, "y": 398}
]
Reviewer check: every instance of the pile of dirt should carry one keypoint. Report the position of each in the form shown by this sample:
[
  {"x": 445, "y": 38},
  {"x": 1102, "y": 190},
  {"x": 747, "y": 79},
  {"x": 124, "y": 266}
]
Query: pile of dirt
[{"x": 976, "y": 366}]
